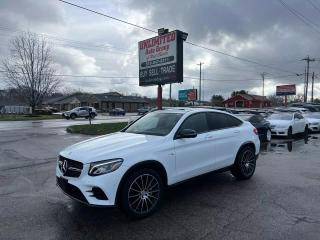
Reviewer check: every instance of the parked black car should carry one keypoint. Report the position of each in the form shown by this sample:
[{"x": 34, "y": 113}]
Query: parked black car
[
  {"x": 144, "y": 110},
  {"x": 262, "y": 125},
  {"x": 117, "y": 112}
]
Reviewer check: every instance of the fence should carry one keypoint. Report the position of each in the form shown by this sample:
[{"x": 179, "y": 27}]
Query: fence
[{"x": 15, "y": 110}]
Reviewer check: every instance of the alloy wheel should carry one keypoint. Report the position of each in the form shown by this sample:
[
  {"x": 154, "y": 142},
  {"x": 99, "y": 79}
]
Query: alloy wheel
[
  {"x": 144, "y": 193},
  {"x": 247, "y": 163},
  {"x": 268, "y": 135}
]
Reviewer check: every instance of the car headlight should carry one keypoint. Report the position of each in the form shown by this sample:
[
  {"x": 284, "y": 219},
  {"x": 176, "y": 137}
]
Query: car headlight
[{"x": 103, "y": 167}]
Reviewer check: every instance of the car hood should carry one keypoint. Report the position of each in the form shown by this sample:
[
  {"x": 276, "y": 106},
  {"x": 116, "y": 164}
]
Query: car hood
[
  {"x": 116, "y": 145},
  {"x": 279, "y": 123},
  {"x": 312, "y": 120}
]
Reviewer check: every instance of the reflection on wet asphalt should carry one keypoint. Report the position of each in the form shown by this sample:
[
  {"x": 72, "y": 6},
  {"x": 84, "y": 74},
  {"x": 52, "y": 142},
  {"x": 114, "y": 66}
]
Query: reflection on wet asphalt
[
  {"x": 281, "y": 201},
  {"x": 61, "y": 123},
  {"x": 289, "y": 145}
]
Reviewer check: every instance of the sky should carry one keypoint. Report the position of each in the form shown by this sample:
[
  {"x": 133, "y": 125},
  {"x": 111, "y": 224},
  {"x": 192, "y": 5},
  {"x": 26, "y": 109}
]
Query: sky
[{"x": 86, "y": 44}]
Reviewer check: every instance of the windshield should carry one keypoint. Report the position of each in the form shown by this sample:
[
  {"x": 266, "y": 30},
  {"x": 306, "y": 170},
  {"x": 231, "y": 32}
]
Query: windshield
[
  {"x": 282, "y": 116},
  {"x": 155, "y": 123}
]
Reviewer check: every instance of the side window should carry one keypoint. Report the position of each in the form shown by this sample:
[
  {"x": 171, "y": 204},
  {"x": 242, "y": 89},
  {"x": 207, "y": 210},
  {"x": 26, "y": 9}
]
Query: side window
[
  {"x": 296, "y": 116},
  {"x": 197, "y": 122},
  {"x": 220, "y": 120},
  {"x": 299, "y": 116},
  {"x": 81, "y": 109},
  {"x": 255, "y": 119},
  {"x": 260, "y": 118}
]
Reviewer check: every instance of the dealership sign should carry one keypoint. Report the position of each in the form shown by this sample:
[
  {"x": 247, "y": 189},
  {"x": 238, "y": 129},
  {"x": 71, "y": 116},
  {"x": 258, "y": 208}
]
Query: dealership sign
[
  {"x": 188, "y": 95},
  {"x": 285, "y": 90},
  {"x": 161, "y": 59}
]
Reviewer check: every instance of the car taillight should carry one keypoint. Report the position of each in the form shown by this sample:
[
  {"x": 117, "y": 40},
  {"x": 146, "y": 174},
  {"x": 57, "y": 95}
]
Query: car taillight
[{"x": 255, "y": 131}]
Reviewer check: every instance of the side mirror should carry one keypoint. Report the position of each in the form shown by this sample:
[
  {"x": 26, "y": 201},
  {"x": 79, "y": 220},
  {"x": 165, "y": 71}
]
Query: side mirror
[{"x": 187, "y": 133}]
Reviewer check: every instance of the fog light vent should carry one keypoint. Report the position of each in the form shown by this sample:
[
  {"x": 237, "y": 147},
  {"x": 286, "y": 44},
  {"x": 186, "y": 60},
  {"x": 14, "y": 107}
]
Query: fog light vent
[{"x": 99, "y": 194}]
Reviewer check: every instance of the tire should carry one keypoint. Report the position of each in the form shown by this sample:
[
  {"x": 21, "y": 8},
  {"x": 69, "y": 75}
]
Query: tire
[
  {"x": 306, "y": 131},
  {"x": 245, "y": 163},
  {"x": 73, "y": 116},
  {"x": 268, "y": 135},
  {"x": 289, "y": 132},
  {"x": 135, "y": 201}
]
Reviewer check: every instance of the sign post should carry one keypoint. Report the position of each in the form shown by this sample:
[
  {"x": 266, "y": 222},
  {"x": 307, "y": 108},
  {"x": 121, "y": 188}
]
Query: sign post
[
  {"x": 286, "y": 90},
  {"x": 161, "y": 60}
]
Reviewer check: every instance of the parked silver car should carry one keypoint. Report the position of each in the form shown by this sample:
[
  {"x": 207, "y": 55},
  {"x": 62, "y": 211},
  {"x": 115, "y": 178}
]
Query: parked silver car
[{"x": 80, "y": 112}]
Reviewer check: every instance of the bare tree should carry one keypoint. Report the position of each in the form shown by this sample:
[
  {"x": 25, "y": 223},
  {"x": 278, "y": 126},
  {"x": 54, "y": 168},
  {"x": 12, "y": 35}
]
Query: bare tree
[{"x": 30, "y": 68}]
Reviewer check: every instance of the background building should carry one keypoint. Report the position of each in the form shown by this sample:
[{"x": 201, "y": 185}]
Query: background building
[
  {"x": 103, "y": 102},
  {"x": 247, "y": 101}
]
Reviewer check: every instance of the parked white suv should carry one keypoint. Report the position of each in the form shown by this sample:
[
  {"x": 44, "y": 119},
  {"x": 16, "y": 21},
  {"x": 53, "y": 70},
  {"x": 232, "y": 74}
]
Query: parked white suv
[
  {"x": 131, "y": 168},
  {"x": 80, "y": 112}
]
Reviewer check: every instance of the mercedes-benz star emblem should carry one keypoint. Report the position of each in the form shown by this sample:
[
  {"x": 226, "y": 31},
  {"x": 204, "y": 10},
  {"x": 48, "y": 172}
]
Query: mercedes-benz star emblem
[{"x": 64, "y": 167}]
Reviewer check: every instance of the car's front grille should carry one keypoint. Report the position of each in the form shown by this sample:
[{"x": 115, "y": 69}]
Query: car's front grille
[
  {"x": 70, "y": 168},
  {"x": 71, "y": 190}
]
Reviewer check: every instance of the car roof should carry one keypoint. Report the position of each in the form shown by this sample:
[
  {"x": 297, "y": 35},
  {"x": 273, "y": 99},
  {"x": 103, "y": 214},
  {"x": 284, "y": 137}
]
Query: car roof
[
  {"x": 184, "y": 110},
  {"x": 245, "y": 114}
]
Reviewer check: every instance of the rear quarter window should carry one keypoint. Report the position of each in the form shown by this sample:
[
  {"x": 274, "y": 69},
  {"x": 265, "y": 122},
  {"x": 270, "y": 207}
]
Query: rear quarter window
[{"x": 218, "y": 121}]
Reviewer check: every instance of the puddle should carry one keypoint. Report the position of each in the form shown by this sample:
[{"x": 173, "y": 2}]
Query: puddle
[{"x": 288, "y": 145}]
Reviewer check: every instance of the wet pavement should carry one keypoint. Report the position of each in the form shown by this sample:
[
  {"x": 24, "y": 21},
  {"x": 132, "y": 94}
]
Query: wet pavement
[
  {"x": 62, "y": 123},
  {"x": 281, "y": 201}
]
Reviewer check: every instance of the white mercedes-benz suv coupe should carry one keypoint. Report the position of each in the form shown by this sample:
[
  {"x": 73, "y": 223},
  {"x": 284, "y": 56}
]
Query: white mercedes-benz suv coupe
[{"x": 131, "y": 168}]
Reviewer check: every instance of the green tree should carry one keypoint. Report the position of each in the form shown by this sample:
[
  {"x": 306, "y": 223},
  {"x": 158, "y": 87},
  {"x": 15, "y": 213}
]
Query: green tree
[
  {"x": 235, "y": 93},
  {"x": 216, "y": 100}
]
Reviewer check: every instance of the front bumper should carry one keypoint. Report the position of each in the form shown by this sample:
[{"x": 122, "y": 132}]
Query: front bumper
[
  {"x": 314, "y": 128},
  {"x": 82, "y": 188},
  {"x": 279, "y": 131}
]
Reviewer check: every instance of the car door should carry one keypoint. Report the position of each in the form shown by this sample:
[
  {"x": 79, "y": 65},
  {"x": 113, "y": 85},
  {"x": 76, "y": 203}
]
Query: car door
[
  {"x": 83, "y": 112},
  {"x": 302, "y": 122},
  {"x": 193, "y": 154},
  {"x": 298, "y": 124},
  {"x": 224, "y": 137}
]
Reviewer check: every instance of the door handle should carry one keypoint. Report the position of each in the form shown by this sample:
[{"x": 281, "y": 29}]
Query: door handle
[{"x": 236, "y": 131}]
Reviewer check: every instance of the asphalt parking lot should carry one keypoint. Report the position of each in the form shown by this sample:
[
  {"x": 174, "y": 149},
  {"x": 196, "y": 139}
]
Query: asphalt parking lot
[{"x": 281, "y": 201}]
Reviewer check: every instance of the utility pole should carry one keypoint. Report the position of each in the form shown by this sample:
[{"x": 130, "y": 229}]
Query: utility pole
[
  {"x": 308, "y": 60},
  {"x": 263, "y": 75},
  {"x": 312, "y": 84},
  {"x": 200, "y": 64}
]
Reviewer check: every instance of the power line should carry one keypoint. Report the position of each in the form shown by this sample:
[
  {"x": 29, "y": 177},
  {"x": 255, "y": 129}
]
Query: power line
[
  {"x": 108, "y": 16},
  {"x": 301, "y": 17},
  {"x": 314, "y": 5},
  {"x": 191, "y": 43},
  {"x": 136, "y": 77},
  {"x": 70, "y": 42},
  {"x": 238, "y": 58}
]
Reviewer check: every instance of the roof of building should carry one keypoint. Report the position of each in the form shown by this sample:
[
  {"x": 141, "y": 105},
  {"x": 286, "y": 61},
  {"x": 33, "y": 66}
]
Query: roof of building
[
  {"x": 119, "y": 98},
  {"x": 86, "y": 97},
  {"x": 249, "y": 97}
]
